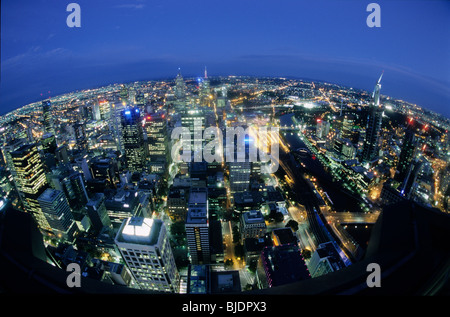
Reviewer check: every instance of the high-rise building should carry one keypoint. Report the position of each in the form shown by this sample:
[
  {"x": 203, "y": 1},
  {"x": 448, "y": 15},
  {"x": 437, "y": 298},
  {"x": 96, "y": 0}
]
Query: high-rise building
[
  {"x": 80, "y": 136},
  {"x": 56, "y": 209},
  {"x": 406, "y": 155},
  {"x": 31, "y": 181},
  {"x": 48, "y": 143},
  {"x": 239, "y": 176},
  {"x": 155, "y": 127},
  {"x": 373, "y": 126},
  {"x": 205, "y": 91},
  {"x": 47, "y": 116},
  {"x": 105, "y": 109},
  {"x": 348, "y": 130},
  {"x": 322, "y": 128},
  {"x": 116, "y": 114},
  {"x": 194, "y": 120},
  {"x": 180, "y": 86},
  {"x": 197, "y": 226},
  {"x": 145, "y": 248},
  {"x": 133, "y": 139},
  {"x": 253, "y": 225},
  {"x": 281, "y": 265},
  {"x": 97, "y": 212},
  {"x": 7, "y": 149}
]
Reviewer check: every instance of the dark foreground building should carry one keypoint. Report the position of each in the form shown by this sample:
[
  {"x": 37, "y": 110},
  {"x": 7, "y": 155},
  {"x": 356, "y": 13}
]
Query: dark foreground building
[{"x": 408, "y": 241}]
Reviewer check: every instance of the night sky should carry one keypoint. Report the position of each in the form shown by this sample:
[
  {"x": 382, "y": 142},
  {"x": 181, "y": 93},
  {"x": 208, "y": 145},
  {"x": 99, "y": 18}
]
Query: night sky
[{"x": 129, "y": 40}]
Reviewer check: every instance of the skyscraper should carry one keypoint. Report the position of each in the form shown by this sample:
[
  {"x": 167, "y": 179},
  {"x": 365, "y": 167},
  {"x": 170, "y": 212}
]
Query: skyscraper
[
  {"x": 197, "y": 226},
  {"x": 406, "y": 156},
  {"x": 97, "y": 212},
  {"x": 180, "y": 86},
  {"x": 31, "y": 181},
  {"x": 56, "y": 209},
  {"x": 155, "y": 127},
  {"x": 133, "y": 139},
  {"x": 80, "y": 136},
  {"x": 145, "y": 248},
  {"x": 47, "y": 116},
  {"x": 116, "y": 114},
  {"x": 240, "y": 176},
  {"x": 373, "y": 126}
]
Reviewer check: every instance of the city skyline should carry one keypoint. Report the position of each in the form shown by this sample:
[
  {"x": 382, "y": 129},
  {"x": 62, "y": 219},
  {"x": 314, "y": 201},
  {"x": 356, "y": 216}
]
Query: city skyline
[
  {"x": 225, "y": 148},
  {"x": 325, "y": 40}
]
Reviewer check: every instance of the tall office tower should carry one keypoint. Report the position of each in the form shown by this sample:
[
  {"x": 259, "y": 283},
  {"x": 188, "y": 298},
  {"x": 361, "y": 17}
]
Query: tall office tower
[
  {"x": 31, "y": 181},
  {"x": 7, "y": 149},
  {"x": 132, "y": 96},
  {"x": 97, "y": 212},
  {"x": 155, "y": 126},
  {"x": 406, "y": 156},
  {"x": 239, "y": 176},
  {"x": 48, "y": 143},
  {"x": 71, "y": 183},
  {"x": 348, "y": 131},
  {"x": 56, "y": 209},
  {"x": 80, "y": 136},
  {"x": 322, "y": 128},
  {"x": 79, "y": 195},
  {"x": 116, "y": 114},
  {"x": 197, "y": 226},
  {"x": 105, "y": 109},
  {"x": 123, "y": 94},
  {"x": 96, "y": 112},
  {"x": 205, "y": 91},
  {"x": 145, "y": 248},
  {"x": 180, "y": 86},
  {"x": 194, "y": 120},
  {"x": 133, "y": 139},
  {"x": 47, "y": 116},
  {"x": 373, "y": 127}
]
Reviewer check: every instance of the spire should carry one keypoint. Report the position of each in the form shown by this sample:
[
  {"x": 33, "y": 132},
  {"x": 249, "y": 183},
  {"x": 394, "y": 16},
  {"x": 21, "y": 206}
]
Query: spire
[
  {"x": 206, "y": 73},
  {"x": 376, "y": 91},
  {"x": 379, "y": 80}
]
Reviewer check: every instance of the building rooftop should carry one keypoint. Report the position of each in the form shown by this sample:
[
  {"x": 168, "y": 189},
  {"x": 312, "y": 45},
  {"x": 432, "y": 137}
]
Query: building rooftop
[
  {"x": 253, "y": 216},
  {"x": 140, "y": 230}
]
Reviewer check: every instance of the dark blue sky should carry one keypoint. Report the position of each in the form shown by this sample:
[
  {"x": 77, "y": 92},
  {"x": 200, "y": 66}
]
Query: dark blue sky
[{"x": 127, "y": 40}]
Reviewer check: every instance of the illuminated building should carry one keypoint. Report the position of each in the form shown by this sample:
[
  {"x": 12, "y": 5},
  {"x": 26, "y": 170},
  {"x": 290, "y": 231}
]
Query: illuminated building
[
  {"x": 145, "y": 248},
  {"x": 56, "y": 209},
  {"x": 373, "y": 127},
  {"x": 105, "y": 110},
  {"x": 194, "y": 120},
  {"x": 47, "y": 116},
  {"x": 155, "y": 127},
  {"x": 123, "y": 204},
  {"x": 239, "y": 176},
  {"x": 31, "y": 181},
  {"x": 48, "y": 143},
  {"x": 322, "y": 128},
  {"x": 133, "y": 139},
  {"x": 180, "y": 87},
  {"x": 197, "y": 226},
  {"x": 116, "y": 113},
  {"x": 204, "y": 92},
  {"x": 406, "y": 156},
  {"x": 80, "y": 136},
  {"x": 253, "y": 224}
]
